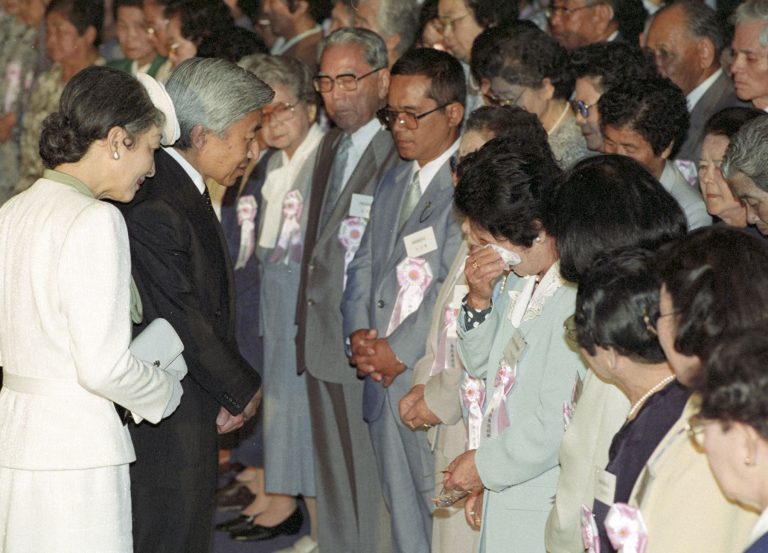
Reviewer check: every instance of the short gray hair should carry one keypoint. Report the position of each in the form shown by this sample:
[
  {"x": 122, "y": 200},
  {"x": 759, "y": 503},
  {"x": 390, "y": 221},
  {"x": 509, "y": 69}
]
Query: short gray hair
[
  {"x": 701, "y": 22},
  {"x": 214, "y": 93},
  {"x": 397, "y": 17},
  {"x": 288, "y": 71},
  {"x": 374, "y": 49},
  {"x": 753, "y": 9},
  {"x": 748, "y": 152}
]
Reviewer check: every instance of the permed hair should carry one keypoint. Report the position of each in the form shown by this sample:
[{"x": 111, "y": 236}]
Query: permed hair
[{"x": 654, "y": 108}]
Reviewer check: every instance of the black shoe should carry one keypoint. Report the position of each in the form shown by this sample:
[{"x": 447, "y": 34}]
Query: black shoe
[
  {"x": 256, "y": 532},
  {"x": 235, "y": 523},
  {"x": 235, "y": 501}
]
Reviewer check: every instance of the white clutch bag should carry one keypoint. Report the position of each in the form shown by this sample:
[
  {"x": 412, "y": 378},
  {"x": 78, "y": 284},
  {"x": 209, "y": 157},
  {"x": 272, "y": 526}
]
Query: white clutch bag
[{"x": 159, "y": 345}]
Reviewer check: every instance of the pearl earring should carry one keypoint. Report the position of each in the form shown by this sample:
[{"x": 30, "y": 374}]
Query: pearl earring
[
  {"x": 115, "y": 155},
  {"x": 537, "y": 239}
]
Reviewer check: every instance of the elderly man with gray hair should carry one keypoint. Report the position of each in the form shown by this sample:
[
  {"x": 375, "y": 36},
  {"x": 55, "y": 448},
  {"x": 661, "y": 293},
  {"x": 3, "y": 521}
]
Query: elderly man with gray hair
[
  {"x": 353, "y": 81},
  {"x": 183, "y": 274},
  {"x": 745, "y": 165},
  {"x": 396, "y": 21},
  {"x": 687, "y": 38},
  {"x": 748, "y": 55}
]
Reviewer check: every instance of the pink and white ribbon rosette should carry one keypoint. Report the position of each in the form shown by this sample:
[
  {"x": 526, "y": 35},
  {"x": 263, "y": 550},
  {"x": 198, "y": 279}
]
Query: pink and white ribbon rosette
[
  {"x": 247, "y": 208},
  {"x": 626, "y": 528},
  {"x": 350, "y": 234},
  {"x": 589, "y": 534},
  {"x": 447, "y": 356},
  {"x": 505, "y": 379},
  {"x": 289, "y": 242},
  {"x": 473, "y": 397},
  {"x": 414, "y": 276}
]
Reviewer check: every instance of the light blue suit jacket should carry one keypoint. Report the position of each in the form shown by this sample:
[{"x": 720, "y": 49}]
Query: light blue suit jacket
[
  {"x": 372, "y": 286},
  {"x": 519, "y": 467}
]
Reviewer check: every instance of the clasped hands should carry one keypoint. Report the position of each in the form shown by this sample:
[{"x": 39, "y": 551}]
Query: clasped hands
[
  {"x": 414, "y": 410},
  {"x": 374, "y": 357},
  {"x": 227, "y": 422}
]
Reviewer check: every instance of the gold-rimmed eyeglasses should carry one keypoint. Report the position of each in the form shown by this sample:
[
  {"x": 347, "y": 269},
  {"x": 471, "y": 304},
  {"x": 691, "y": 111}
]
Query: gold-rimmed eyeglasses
[{"x": 280, "y": 112}]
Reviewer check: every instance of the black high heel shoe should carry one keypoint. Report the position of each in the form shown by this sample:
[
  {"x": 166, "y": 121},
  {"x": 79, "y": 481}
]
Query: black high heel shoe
[
  {"x": 256, "y": 532},
  {"x": 235, "y": 523}
]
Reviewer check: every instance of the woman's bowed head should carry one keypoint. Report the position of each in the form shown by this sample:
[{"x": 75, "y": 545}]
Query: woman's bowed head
[{"x": 105, "y": 133}]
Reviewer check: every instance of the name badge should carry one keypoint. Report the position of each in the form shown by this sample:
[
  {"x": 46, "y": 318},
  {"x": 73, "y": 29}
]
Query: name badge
[
  {"x": 605, "y": 487},
  {"x": 420, "y": 242},
  {"x": 514, "y": 347},
  {"x": 360, "y": 206}
]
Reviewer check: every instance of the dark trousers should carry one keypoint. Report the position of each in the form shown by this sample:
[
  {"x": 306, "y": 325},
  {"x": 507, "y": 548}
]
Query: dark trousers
[{"x": 171, "y": 520}]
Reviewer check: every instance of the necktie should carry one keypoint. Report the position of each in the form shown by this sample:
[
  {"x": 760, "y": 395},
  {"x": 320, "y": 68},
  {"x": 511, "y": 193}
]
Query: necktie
[
  {"x": 412, "y": 197},
  {"x": 336, "y": 178},
  {"x": 208, "y": 203}
]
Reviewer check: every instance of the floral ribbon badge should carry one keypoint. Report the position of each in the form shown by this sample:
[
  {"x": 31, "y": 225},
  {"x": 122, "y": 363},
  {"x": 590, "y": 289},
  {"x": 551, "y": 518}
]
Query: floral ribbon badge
[
  {"x": 414, "y": 276},
  {"x": 290, "y": 240},
  {"x": 247, "y": 208}
]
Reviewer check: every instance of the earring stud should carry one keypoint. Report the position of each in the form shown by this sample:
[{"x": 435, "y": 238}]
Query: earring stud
[{"x": 115, "y": 155}]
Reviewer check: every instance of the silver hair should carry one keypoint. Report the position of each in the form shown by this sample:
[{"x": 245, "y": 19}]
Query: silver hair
[
  {"x": 396, "y": 17},
  {"x": 214, "y": 93},
  {"x": 753, "y": 9},
  {"x": 374, "y": 49},
  {"x": 288, "y": 71},
  {"x": 748, "y": 152}
]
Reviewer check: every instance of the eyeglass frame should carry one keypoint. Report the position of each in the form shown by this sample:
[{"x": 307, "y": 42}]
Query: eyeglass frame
[
  {"x": 651, "y": 325},
  {"x": 334, "y": 80},
  {"x": 581, "y": 107},
  {"x": 266, "y": 116},
  {"x": 499, "y": 101},
  {"x": 695, "y": 430},
  {"x": 552, "y": 10},
  {"x": 444, "y": 23},
  {"x": 382, "y": 113}
]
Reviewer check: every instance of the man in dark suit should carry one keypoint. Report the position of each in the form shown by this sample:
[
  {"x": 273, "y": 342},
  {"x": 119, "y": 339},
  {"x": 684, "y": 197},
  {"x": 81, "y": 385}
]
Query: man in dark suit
[
  {"x": 392, "y": 283},
  {"x": 183, "y": 273},
  {"x": 687, "y": 39},
  {"x": 576, "y": 23},
  {"x": 353, "y": 80}
]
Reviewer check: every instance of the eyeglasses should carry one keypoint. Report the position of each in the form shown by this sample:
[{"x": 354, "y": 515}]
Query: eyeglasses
[
  {"x": 345, "y": 81},
  {"x": 498, "y": 101},
  {"x": 579, "y": 107},
  {"x": 652, "y": 325},
  {"x": 389, "y": 117},
  {"x": 280, "y": 112},
  {"x": 563, "y": 11},
  {"x": 443, "y": 24}
]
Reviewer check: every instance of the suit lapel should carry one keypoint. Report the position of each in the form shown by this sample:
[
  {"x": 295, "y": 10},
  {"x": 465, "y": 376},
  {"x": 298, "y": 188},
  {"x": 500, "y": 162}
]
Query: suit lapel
[{"x": 430, "y": 206}]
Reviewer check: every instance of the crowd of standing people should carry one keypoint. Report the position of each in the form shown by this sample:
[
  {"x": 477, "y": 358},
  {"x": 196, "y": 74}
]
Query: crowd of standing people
[{"x": 439, "y": 276}]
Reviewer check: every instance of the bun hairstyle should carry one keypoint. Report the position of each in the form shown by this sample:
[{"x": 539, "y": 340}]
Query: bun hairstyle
[{"x": 94, "y": 101}]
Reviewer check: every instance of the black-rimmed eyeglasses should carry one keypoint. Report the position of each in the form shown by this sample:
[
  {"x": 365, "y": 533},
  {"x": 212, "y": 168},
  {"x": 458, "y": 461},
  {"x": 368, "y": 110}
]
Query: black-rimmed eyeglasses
[
  {"x": 345, "y": 81},
  {"x": 390, "y": 117}
]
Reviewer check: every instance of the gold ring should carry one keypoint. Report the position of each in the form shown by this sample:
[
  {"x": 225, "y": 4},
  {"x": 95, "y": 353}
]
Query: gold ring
[
  {"x": 472, "y": 514},
  {"x": 426, "y": 426},
  {"x": 474, "y": 265}
]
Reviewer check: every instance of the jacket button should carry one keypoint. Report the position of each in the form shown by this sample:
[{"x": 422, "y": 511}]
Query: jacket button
[
  {"x": 310, "y": 302},
  {"x": 218, "y": 312},
  {"x": 311, "y": 267},
  {"x": 380, "y": 303}
]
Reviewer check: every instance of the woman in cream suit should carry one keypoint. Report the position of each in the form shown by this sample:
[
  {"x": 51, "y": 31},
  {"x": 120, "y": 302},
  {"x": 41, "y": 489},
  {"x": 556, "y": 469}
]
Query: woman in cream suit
[
  {"x": 513, "y": 345},
  {"x": 66, "y": 326}
]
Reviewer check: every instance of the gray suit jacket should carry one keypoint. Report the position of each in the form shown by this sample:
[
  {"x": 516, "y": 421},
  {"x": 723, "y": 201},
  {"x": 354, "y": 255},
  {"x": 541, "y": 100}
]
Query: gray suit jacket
[
  {"x": 372, "y": 286},
  {"x": 719, "y": 96},
  {"x": 319, "y": 341}
]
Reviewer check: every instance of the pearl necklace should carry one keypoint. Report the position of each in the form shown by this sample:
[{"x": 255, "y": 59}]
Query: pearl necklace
[{"x": 639, "y": 403}]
